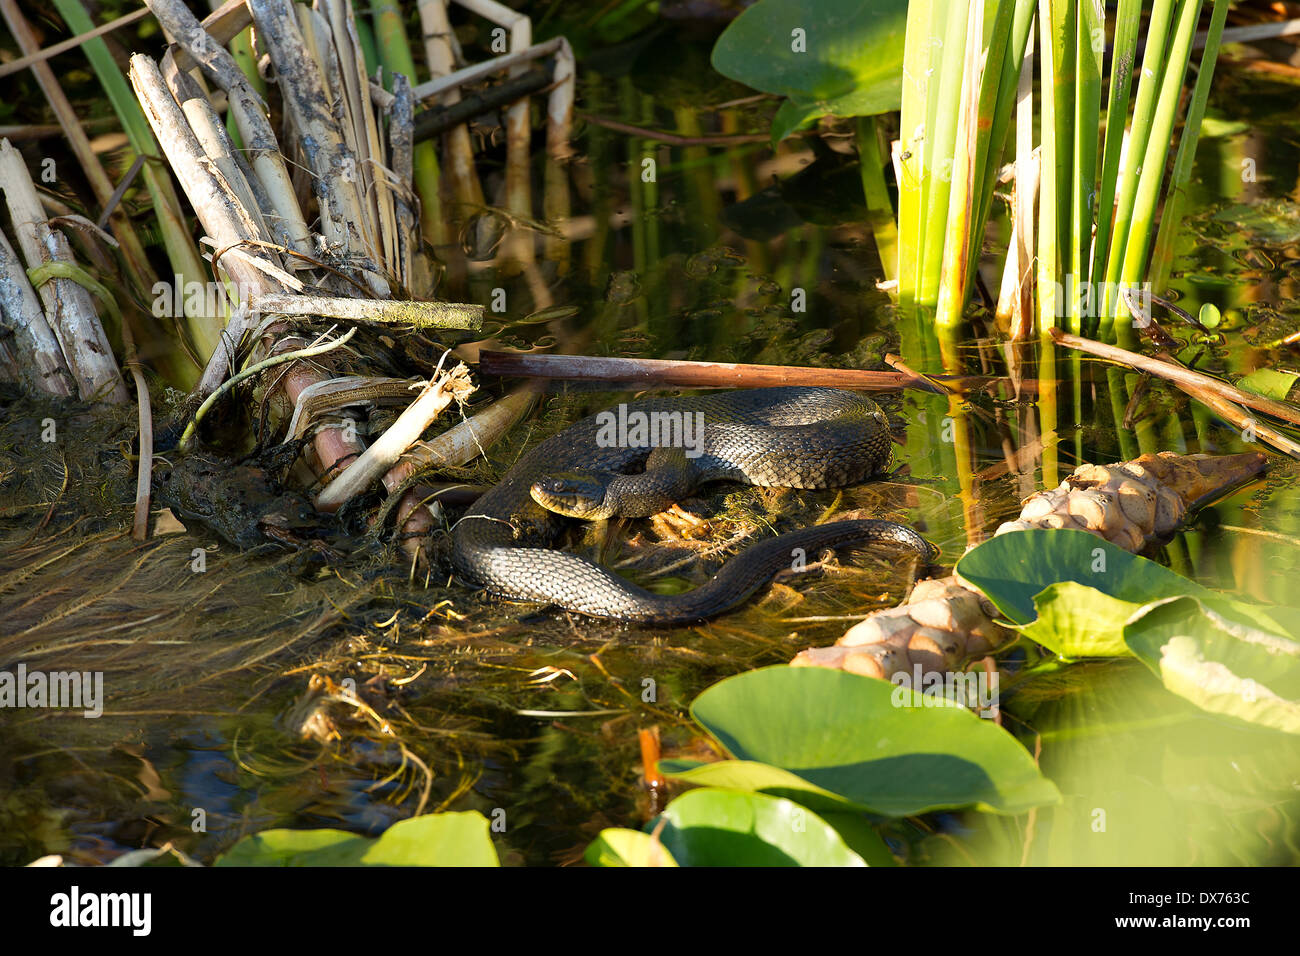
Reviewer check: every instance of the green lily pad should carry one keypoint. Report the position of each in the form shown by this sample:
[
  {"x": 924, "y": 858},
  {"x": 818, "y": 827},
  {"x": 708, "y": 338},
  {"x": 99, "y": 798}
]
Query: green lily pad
[
  {"x": 732, "y": 828},
  {"x": 841, "y": 57},
  {"x": 617, "y": 846},
  {"x": 752, "y": 775},
  {"x": 1012, "y": 569},
  {"x": 436, "y": 839},
  {"x": 875, "y": 745},
  {"x": 1220, "y": 664}
]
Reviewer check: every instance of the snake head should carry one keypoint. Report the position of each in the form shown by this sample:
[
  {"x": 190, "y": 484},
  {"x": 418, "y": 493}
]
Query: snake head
[{"x": 574, "y": 495}]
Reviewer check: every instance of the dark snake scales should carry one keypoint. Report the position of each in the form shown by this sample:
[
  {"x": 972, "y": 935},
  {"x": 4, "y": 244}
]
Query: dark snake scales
[{"x": 796, "y": 437}]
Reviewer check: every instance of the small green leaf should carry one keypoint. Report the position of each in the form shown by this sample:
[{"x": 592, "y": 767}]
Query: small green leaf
[
  {"x": 731, "y": 828},
  {"x": 1221, "y": 664},
  {"x": 1213, "y": 126},
  {"x": 1269, "y": 382},
  {"x": 436, "y": 839},
  {"x": 791, "y": 118},
  {"x": 620, "y": 847},
  {"x": 1209, "y": 316}
]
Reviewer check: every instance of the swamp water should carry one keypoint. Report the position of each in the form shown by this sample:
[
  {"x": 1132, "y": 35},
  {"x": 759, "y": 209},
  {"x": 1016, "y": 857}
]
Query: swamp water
[{"x": 231, "y": 691}]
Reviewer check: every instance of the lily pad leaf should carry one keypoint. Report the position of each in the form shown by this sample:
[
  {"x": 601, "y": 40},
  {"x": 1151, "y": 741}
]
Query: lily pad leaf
[
  {"x": 752, "y": 775},
  {"x": 620, "y": 847},
  {"x": 436, "y": 839},
  {"x": 1012, "y": 569},
  {"x": 1221, "y": 664},
  {"x": 841, "y": 57},
  {"x": 878, "y": 746},
  {"x": 712, "y": 827}
]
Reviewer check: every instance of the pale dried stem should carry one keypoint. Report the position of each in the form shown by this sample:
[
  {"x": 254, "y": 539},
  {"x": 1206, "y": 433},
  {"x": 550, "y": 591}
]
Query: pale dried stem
[
  {"x": 69, "y": 309},
  {"x": 39, "y": 360},
  {"x": 458, "y": 151},
  {"x": 380, "y": 457}
]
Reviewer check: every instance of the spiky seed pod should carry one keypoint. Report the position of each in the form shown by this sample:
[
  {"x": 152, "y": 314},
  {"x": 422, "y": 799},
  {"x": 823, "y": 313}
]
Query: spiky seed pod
[
  {"x": 881, "y": 628},
  {"x": 942, "y": 623},
  {"x": 1131, "y": 503}
]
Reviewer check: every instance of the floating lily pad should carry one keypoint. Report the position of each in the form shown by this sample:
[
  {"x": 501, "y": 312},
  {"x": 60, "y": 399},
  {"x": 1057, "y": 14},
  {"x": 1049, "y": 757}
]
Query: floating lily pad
[
  {"x": 829, "y": 736},
  {"x": 732, "y": 828},
  {"x": 620, "y": 847},
  {"x": 1220, "y": 664},
  {"x": 437, "y": 839},
  {"x": 1012, "y": 569}
]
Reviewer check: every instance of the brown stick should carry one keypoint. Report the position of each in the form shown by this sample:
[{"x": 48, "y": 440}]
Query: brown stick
[
  {"x": 1178, "y": 374},
  {"x": 694, "y": 374},
  {"x": 673, "y": 139}
]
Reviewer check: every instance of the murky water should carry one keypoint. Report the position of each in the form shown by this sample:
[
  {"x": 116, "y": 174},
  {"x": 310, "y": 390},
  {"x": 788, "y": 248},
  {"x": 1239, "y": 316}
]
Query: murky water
[{"x": 211, "y": 730}]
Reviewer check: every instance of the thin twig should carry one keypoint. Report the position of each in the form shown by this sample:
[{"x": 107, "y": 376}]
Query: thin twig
[{"x": 13, "y": 66}]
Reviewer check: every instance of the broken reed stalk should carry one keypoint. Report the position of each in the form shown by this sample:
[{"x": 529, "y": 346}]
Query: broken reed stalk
[
  {"x": 39, "y": 360},
  {"x": 468, "y": 439},
  {"x": 333, "y": 164},
  {"x": 444, "y": 120},
  {"x": 518, "y": 122},
  {"x": 201, "y": 328},
  {"x": 395, "y": 54},
  {"x": 694, "y": 374},
  {"x": 68, "y": 307},
  {"x": 223, "y": 217},
  {"x": 63, "y": 46},
  {"x": 78, "y": 142},
  {"x": 401, "y": 163},
  {"x": 458, "y": 150},
  {"x": 918, "y": 381},
  {"x": 282, "y": 216},
  {"x": 442, "y": 315},
  {"x": 384, "y": 454},
  {"x": 1240, "y": 419}
]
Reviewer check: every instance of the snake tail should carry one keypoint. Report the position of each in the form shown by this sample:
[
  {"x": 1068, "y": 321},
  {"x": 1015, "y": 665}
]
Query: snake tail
[{"x": 576, "y": 584}]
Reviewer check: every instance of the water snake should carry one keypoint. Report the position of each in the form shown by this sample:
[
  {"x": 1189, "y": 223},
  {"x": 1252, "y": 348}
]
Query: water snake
[{"x": 639, "y": 458}]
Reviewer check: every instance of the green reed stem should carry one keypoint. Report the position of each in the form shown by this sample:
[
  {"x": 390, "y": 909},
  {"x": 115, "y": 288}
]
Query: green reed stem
[{"x": 1171, "y": 216}]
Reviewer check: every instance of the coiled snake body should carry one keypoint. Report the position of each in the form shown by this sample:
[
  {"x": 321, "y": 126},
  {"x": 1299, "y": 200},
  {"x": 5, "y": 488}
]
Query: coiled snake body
[{"x": 793, "y": 437}]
